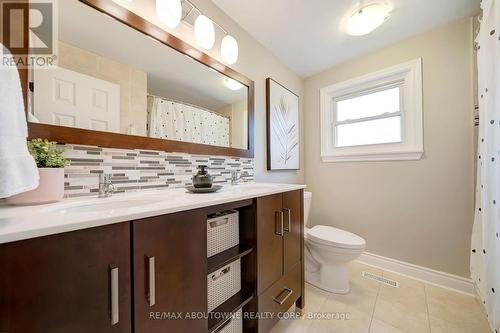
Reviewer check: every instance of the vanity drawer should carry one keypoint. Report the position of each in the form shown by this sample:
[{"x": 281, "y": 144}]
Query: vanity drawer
[{"x": 279, "y": 298}]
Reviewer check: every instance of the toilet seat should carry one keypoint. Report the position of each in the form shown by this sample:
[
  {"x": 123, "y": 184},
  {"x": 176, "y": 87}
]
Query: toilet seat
[{"x": 335, "y": 237}]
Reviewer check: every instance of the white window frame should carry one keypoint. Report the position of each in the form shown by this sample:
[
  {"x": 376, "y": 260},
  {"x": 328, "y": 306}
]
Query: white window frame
[{"x": 408, "y": 76}]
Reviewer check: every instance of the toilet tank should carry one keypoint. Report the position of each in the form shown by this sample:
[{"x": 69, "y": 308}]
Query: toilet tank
[{"x": 307, "y": 206}]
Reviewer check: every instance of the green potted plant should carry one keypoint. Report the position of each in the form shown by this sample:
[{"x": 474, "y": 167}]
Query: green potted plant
[{"x": 50, "y": 162}]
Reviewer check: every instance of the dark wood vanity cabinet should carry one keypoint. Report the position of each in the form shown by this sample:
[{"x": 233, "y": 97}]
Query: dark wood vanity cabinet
[
  {"x": 139, "y": 276},
  {"x": 279, "y": 236},
  {"x": 170, "y": 272},
  {"x": 280, "y": 270},
  {"x": 72, "y": 282}
]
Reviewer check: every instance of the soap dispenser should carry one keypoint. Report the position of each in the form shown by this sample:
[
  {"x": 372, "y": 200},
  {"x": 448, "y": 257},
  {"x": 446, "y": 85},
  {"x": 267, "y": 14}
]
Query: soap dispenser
[{"x": 202, "y": 179}]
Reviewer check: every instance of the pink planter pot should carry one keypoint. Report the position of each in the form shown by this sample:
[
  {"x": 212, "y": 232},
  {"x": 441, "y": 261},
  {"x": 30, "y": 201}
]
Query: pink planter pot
[{"x": 50, "y": 189}]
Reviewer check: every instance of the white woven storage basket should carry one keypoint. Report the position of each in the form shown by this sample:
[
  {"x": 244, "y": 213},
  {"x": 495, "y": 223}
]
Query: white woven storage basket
[
  {"x": 223, "y": 284},
  {"x": 222, "y": 232},
  {"x": 235, "y": 325}
]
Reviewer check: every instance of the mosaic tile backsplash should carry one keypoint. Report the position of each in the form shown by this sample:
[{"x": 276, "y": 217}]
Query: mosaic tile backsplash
[{"x": 136, "y": 170}]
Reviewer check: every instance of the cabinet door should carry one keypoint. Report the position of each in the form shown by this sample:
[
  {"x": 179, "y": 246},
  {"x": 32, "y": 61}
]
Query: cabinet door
[
  {"x": 71, "y": 282},
  {"x": 292, "y": 248},
  {"x": 170, "y": 272},
  {"x": 269, "y": 241}
]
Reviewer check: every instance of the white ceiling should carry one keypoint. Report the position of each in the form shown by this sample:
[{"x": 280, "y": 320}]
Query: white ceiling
[{"x": 308, "y": 34}]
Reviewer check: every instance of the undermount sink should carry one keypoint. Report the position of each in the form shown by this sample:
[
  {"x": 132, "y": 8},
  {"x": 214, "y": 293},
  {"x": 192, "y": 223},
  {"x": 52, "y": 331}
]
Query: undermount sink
[{"x": 100, "y": 206}]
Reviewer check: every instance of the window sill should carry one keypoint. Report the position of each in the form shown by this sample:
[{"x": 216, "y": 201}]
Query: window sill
[{"x": 387, "y": 156}]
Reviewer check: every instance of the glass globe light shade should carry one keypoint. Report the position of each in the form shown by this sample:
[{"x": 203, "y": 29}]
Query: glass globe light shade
[
  {"x": 229, "y": 50},
  {"x": 204, "y": 32}
]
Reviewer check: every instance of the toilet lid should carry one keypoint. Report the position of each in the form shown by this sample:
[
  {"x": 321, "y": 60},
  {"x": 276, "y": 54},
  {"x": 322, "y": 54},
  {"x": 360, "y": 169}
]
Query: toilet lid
[{"x": 335, "y": 237}]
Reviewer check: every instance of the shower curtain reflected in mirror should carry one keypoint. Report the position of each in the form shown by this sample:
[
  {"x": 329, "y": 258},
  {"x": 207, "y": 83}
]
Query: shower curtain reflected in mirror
[{"x": 182, "y": 122}]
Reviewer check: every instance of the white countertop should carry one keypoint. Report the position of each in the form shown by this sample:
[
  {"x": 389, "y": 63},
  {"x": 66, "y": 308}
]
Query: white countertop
[{"x": 18, "y": 223}]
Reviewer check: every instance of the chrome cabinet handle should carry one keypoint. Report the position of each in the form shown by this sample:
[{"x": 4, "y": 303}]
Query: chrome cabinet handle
[
  {"x": 115, "y": 300},
  {"x": 282, "y": 217},
  {"x": 151, "y": 292},
  {"x": 282, "y": 300},
  {"x": 289, "y": 212},
  {"x": 282, "y": 222}
]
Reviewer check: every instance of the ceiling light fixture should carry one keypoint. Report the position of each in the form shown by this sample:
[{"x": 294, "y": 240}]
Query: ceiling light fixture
[
  {"x": 229, "y": 50},
  {"x": 366, "y": 19},
  {"x": 204, "y": 32},
  {"x": 232, "y": 84},
  {"x": 169, "y": 12}
]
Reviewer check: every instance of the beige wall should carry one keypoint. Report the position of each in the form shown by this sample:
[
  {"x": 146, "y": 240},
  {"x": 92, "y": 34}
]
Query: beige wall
[
  {"x": 237, "y": 113},
  {"x": 257, "y": 63},
  {"x": 133, "y": 82},
  {"x": 239, "y": 124},
  {"x": 415, "y": 211}
]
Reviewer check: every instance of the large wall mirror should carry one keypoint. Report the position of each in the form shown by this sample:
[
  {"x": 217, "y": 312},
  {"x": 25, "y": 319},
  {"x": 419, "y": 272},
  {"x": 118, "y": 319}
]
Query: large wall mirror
[{"x": 117, "y": 75}]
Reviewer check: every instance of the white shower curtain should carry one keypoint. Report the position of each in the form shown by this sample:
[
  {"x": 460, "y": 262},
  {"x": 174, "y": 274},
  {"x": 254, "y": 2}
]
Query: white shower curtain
[
  {"x": 177, "y": 121},
  {"x": 485, "y": 256}
]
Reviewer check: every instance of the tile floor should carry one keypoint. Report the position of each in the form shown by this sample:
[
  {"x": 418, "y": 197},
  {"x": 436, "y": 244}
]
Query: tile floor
[{"x": 414, "y": 307}]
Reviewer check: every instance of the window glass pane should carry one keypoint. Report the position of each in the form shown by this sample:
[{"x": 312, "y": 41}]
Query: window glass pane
[
  {"x": 378, "y": 131},
  {"x": 369, "y": 105}
]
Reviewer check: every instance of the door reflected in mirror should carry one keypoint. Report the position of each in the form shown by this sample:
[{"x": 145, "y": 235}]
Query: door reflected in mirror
[{"x": 113, "y": 78}]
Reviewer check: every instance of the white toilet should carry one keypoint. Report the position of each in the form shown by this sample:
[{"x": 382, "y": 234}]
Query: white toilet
[{"x": 327, "y": 252}]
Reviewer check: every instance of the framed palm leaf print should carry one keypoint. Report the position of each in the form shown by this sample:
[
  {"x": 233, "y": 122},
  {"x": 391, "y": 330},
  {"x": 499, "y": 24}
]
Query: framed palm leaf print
[{"x": 283, "y": 134}]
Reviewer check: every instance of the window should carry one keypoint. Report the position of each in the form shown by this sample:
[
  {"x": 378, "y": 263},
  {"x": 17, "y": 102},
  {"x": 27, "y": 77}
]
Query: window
[{"x": 374, "y": 117}]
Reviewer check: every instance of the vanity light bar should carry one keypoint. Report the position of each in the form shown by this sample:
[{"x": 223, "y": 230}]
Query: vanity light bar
[
  {"x": 194, "y": 8},
  {"x": 203, "y": 28}
]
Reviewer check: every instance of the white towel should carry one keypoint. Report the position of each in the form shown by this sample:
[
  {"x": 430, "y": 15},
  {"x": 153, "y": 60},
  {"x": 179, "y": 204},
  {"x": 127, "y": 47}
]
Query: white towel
[{"x": 18, "y": 171}]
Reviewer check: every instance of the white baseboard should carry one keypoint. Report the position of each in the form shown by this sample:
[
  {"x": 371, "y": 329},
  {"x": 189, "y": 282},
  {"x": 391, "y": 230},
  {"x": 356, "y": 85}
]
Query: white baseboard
[{"x": 423, "y": 274}]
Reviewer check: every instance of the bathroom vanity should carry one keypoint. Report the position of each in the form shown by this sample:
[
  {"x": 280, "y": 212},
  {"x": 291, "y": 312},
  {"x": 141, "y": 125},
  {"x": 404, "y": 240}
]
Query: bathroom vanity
[{"x": 138, "y": 262}]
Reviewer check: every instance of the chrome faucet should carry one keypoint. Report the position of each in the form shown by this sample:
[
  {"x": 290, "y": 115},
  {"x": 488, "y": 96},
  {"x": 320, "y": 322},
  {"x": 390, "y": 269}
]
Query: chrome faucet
[
  {"x": 106, "y": 187},
  {"x": 235, "y": 179}
]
